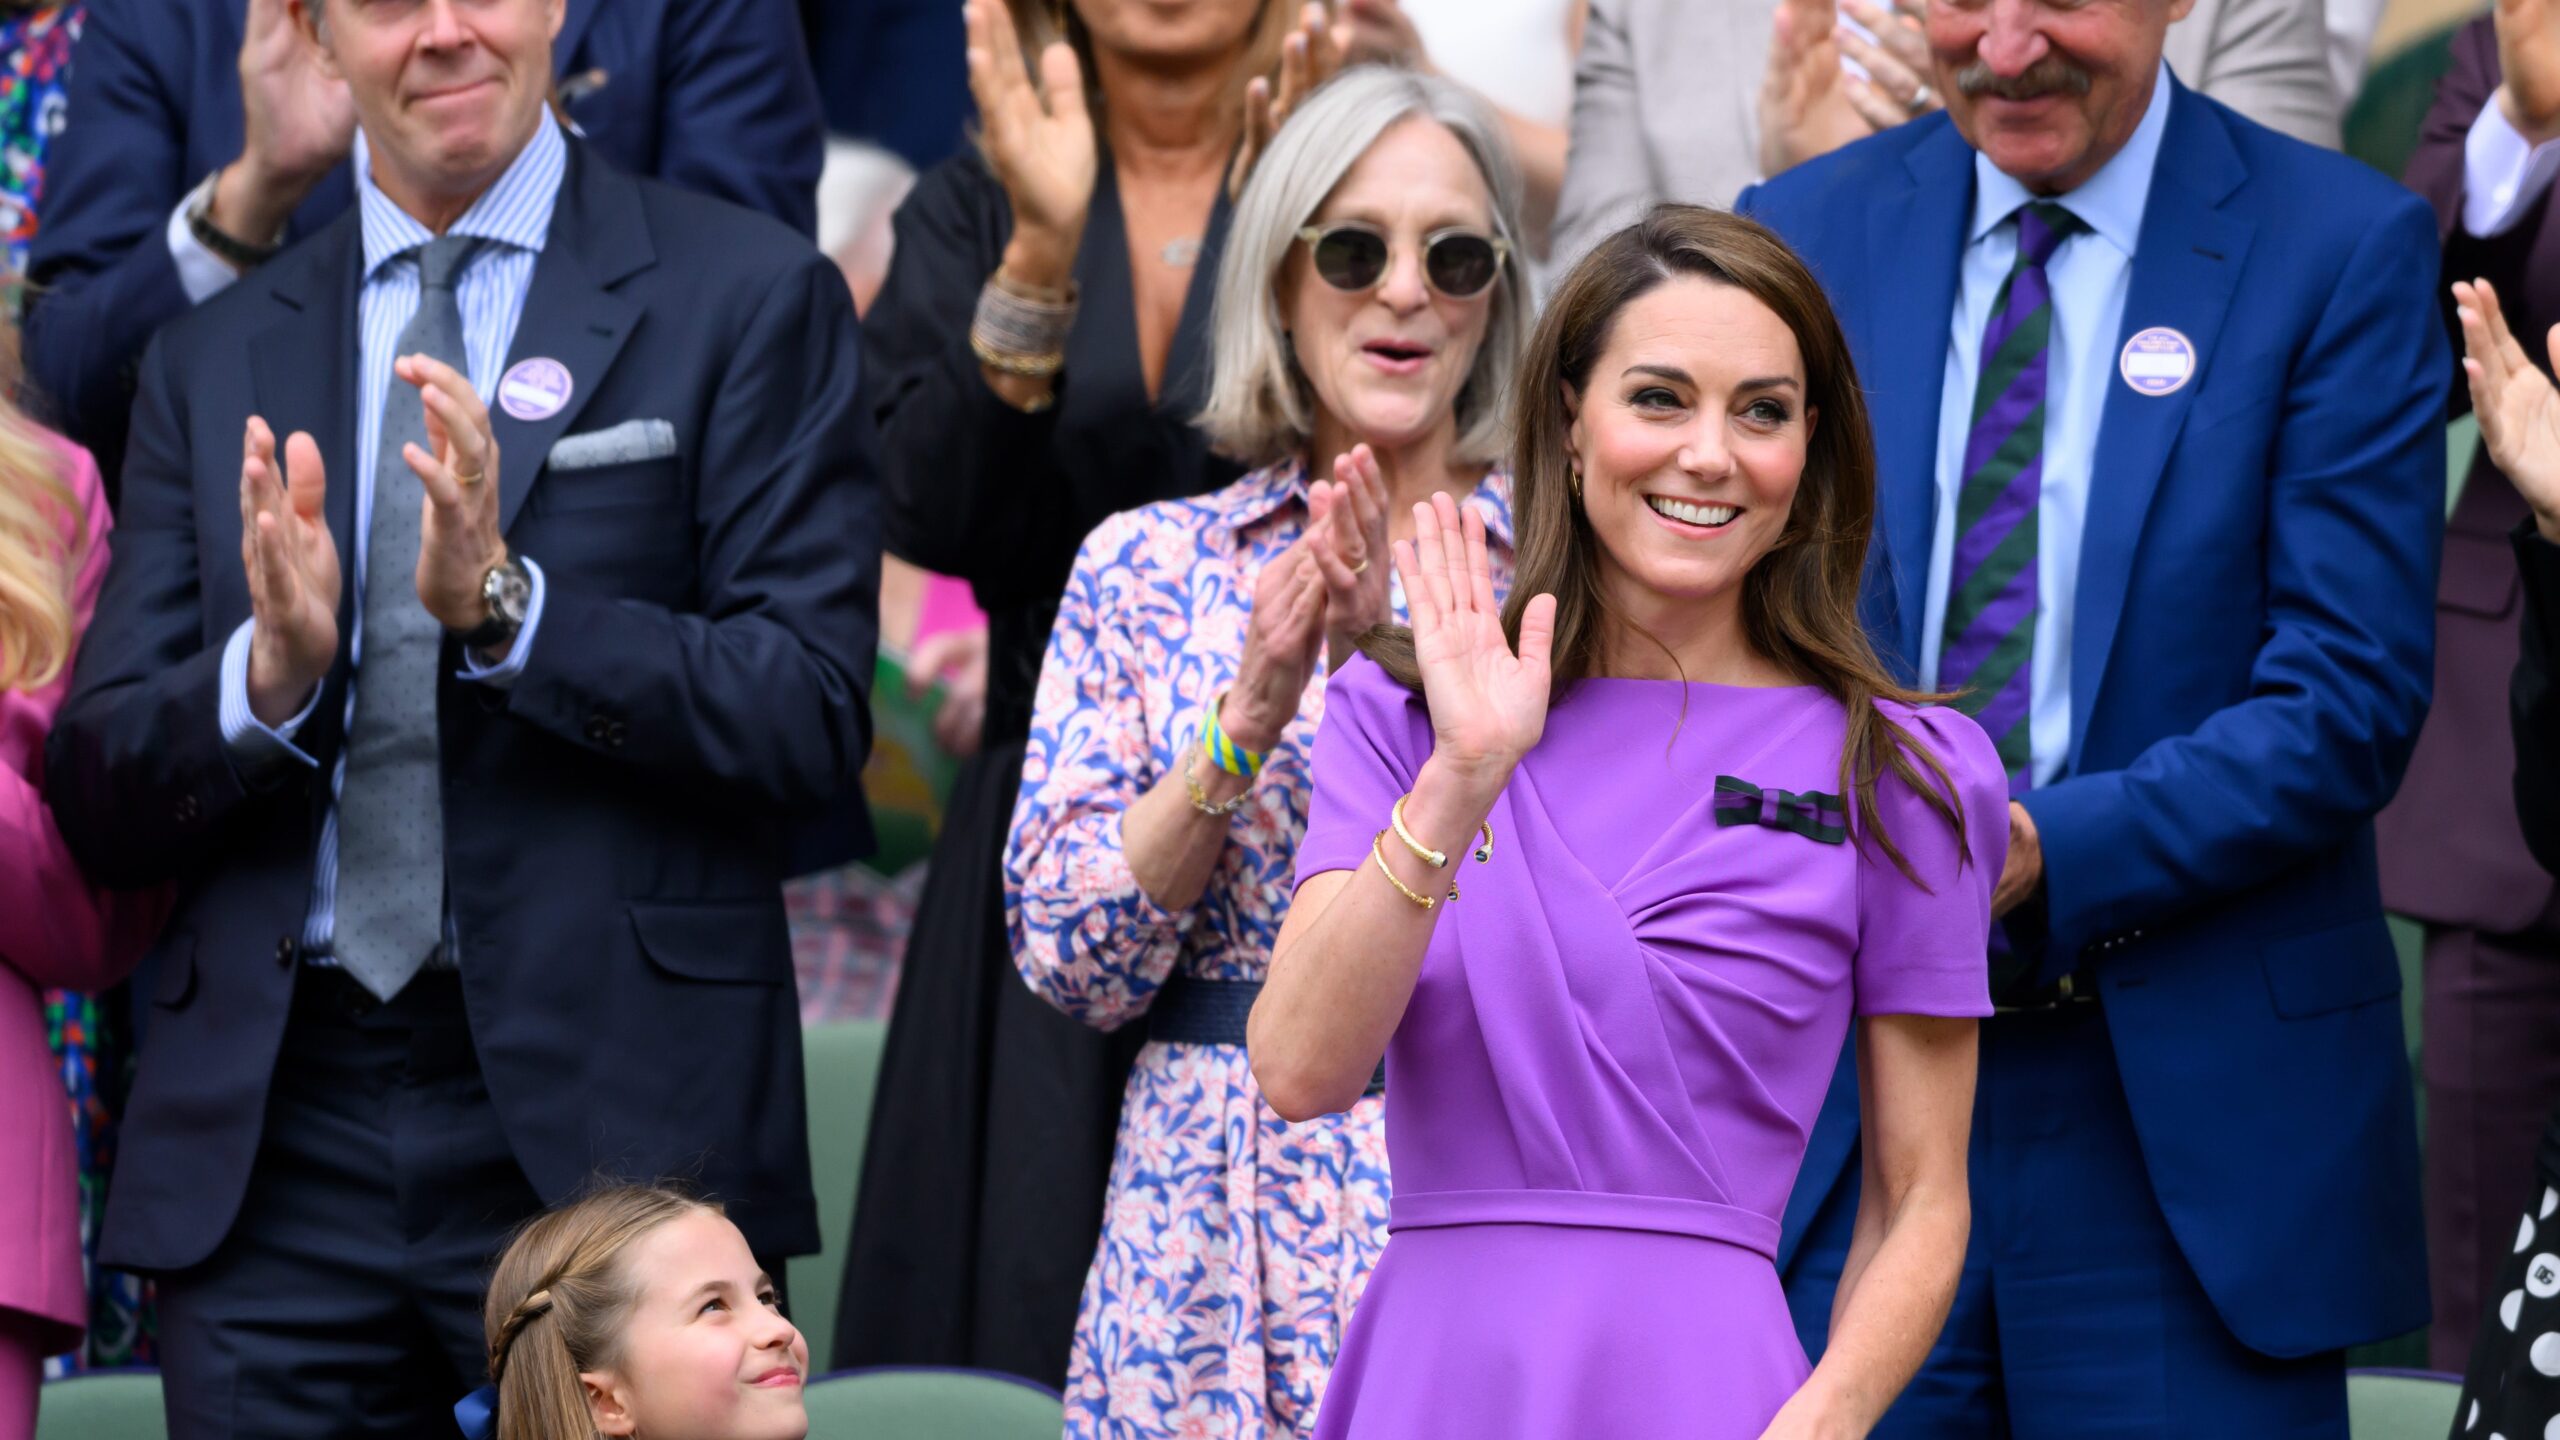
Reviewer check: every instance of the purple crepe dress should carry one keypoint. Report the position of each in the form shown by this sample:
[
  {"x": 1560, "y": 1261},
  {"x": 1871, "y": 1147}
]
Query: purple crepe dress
[{"x": 1599, "y": 1096}]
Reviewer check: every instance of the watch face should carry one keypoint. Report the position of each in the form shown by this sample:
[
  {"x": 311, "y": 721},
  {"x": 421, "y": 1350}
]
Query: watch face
[{"x": 508, "y": 589}]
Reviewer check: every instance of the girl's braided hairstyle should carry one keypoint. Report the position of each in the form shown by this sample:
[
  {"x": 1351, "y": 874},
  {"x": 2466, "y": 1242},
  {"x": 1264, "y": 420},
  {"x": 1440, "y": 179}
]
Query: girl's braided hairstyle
[{"x": 557, "y": 1303}]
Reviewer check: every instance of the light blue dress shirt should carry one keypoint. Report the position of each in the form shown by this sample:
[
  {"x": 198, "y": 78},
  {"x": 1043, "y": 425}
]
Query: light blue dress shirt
[
  {"x": 514, "y": 215},
  {"x": 2090, "y": 274}
]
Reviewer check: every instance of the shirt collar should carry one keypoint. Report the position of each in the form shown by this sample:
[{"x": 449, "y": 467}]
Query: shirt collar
[
  {"x": 1266, "y": 492},
  {"x": 2110, "y": 202},
  {"x": 515, "y": 211}
]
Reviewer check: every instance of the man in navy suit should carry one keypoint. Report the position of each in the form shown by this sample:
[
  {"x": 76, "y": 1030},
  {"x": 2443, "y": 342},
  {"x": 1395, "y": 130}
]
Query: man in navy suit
[
  {"x": 216, "y": 108},
  {"x": 2158, "y": 400},
  {"x": 464, "y": 718}
]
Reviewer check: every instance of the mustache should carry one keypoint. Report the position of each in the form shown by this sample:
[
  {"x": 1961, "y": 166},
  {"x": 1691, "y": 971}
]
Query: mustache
[{"x": 2052, "y": 75}]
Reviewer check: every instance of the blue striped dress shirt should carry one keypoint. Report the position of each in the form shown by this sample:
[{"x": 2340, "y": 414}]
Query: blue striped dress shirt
[{"x": 514, "y": 216}]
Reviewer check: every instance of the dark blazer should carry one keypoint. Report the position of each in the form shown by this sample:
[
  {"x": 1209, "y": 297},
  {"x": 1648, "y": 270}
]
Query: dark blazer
[
  {"x": 611, "y": 839},
  {"x": 2536, "y": 702},
  {"x": 712, "y": 95},
  {"x": 2452, "y": 853},
  {"x": 2250, "y": 664}
]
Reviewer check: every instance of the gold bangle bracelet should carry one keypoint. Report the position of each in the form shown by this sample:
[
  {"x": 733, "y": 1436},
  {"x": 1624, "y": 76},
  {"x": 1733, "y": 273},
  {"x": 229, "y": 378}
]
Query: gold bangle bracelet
[
  {"x": 1378, "y": 848},
  {"x": 1036, "y": 367},
  {"x": 1436, "y": 859}
]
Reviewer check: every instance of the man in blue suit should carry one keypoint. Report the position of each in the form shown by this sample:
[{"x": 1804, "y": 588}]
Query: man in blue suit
[
  {"x": 216, "y": 109},
  {"x": 464, "y": 719},
  {"x": 2158, "y": 400}
]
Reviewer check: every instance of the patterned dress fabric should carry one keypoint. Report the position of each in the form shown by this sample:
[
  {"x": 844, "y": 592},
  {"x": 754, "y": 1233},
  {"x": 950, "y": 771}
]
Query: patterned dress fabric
[
  {"x": 2512, "y": 1387},
  {"x": 1234, "y": 1245},
  {"x": 35, "y": 64}
]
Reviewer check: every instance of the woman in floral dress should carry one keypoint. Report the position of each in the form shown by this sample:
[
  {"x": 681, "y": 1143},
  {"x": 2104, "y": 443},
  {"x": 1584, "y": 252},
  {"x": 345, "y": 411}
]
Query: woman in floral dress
[{"x": 1368, "y": 323}]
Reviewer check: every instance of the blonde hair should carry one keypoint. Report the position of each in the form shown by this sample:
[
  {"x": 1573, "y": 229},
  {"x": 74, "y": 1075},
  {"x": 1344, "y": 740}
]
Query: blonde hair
[
  {"x": 36, "y": 564},
  {"x": 558, "y": 1301},
  {"x": 1260, "y": 409}
]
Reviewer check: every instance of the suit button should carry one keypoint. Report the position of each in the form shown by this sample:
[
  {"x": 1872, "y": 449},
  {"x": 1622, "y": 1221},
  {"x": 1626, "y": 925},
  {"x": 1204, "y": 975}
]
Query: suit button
[
  {"x": 613, "y": 735},
  {"x": 186, "y": 810},
  {"x": 596, "y": 726},
  {"x": 284, "y": 952}
]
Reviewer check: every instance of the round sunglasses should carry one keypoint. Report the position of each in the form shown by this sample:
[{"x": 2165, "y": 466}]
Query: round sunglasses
[{"x": 1458, "y": 263}]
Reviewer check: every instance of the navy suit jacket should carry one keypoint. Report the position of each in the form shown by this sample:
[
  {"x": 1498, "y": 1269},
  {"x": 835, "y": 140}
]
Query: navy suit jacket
[
  {"x": 2251, "y": 660},
  {"x": 612, "y": 846},
  {"x": 712, "y": 95}
]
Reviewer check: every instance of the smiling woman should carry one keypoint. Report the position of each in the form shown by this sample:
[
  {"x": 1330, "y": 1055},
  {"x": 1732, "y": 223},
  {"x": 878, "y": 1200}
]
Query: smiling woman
[{"x": 1710, "y": 839}]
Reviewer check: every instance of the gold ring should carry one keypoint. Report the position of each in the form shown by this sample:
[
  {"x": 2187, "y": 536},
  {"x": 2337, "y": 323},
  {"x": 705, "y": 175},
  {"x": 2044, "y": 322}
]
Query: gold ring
[
  {"x": 461, "y": 479},
  {"x": 1362, "y": 568}
]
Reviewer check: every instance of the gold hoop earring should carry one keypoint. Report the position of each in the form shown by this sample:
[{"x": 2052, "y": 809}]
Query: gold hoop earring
[{"x": 1573, "y": 473}]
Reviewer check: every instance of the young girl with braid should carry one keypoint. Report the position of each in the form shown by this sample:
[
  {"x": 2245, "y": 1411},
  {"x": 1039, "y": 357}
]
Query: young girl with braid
[{"x": 636, "y": 1311}]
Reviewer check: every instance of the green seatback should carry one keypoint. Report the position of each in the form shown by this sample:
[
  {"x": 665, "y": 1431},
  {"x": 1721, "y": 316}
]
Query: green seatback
[
  {"x": 119, "y": 1405},
  {"x": 2382, "y": 126},
  {"x": 932, "y": 1404},
  {"x": 842, "y": 1062},
  {"x": 2397, "y": 1405}
]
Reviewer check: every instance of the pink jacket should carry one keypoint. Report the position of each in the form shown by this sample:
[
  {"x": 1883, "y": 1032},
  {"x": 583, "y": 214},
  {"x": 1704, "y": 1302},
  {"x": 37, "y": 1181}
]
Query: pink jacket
[{"x": 55, "y": 930}]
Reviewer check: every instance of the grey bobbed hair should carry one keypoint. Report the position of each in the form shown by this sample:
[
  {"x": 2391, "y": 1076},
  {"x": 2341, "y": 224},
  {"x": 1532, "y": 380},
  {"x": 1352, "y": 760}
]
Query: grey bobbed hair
[{"x": 1259, "y": 410}]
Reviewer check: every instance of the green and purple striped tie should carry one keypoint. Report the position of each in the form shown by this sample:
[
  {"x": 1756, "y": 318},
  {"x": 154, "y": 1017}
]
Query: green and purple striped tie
[{"x": 1988, "y": 642}]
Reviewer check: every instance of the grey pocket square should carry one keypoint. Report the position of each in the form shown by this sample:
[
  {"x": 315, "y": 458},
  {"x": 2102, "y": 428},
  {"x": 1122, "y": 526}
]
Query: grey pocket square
[{"x": 617, "y": 445}]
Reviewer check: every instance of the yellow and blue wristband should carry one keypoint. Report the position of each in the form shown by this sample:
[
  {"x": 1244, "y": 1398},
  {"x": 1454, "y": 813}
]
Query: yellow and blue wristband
[{"x": 1225, "y": 753}]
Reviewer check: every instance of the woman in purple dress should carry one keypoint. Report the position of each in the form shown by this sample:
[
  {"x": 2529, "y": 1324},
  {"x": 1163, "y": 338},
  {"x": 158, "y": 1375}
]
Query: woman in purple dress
[{"x": 1699, "y": 829}]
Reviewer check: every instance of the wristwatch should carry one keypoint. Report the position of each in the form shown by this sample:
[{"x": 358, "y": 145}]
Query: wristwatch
[
  {"x": 507, "y": 589},
  {"x": 238, "y": 253}
]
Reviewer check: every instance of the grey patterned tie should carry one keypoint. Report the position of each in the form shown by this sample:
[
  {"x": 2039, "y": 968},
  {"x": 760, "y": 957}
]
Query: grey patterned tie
[{"x": 390, "y": 893}]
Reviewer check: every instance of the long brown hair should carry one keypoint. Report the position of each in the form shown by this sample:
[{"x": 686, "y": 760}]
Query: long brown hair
[
  {"x": 1800, "y": 602},
  {"x": 558, "y": 1301}
]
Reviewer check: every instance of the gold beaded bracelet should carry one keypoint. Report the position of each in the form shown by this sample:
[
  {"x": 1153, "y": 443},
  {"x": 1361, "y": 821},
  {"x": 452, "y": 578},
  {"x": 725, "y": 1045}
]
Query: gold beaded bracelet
[
  {"x": 1200, "y": 793},
  {"x": 1378, "y": 848}
]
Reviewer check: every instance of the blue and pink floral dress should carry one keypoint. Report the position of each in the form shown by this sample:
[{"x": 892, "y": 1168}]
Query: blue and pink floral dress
[{"x": 1234, "y": 1244}]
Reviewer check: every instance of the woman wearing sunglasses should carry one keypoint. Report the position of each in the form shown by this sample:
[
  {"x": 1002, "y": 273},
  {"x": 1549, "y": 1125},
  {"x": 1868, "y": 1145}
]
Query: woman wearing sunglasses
[{"x": 1367, "y": 325}]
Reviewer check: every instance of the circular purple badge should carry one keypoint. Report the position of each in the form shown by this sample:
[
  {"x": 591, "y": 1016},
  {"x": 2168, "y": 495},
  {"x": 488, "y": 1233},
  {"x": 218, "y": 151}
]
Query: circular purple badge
[
  {"x": 2159, "y": 361},
  {"x": 535, "y": 389}
]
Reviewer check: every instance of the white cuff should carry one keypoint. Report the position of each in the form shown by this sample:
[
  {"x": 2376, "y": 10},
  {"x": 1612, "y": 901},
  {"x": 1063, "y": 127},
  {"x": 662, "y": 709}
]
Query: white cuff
[
  {"x": 251, "y": 743},
  {"x": 2502, "y": 175},
  {"x": 202, "y": 273},
  {"x": 504, "y": 673}
]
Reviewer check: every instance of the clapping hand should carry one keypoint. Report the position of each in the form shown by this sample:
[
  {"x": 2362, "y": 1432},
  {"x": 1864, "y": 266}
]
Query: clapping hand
[
  {"x": 1349, "y": 535},
  {"x": 2518, "y": 408},
  {"x": 1488, "y": 704},
  {"x": 292, "y": 564},
  {"x": 458, "y": 539},
  {"x": 1805, "y": 109},
  {"x": 297, "y": 121},
  {"x": 1896, "y": 61},
  {"x": 1040, "y": 143},
  {"x": 1308, "y": 58},
  {"x": 1280, "y": 643}
]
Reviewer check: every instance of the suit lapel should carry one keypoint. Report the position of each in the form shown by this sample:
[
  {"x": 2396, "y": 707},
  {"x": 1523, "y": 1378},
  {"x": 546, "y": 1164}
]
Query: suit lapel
[
  {"x": 1917, "y": 233},
  {"x": 2185, "y": 266},
  {"x": 599, "y": 236}
]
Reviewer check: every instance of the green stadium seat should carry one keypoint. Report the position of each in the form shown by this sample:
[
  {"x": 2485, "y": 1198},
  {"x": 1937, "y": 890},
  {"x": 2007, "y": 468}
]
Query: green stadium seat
[
  {"x": 842, "y": 1063},
  {"x": 2400, "y": 1404},
  {"x": 930, "y": 1403},
  {"x": 106, "y": 1405}
]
